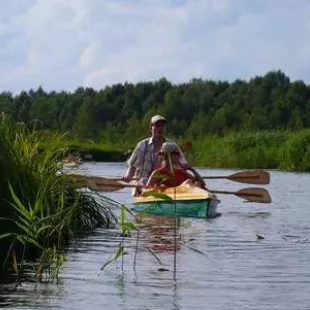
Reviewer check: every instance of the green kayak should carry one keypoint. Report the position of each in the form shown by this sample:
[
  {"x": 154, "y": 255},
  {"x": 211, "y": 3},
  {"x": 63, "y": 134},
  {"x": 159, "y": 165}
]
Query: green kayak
[{"x": 186, "y": 200}]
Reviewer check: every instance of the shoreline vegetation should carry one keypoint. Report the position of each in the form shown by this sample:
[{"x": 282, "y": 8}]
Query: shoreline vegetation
[
  {"x": 288, "y": 151},
  {"x": 40, "y": 212}
]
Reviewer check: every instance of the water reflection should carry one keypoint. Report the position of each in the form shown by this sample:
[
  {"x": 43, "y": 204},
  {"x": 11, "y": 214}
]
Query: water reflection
[{"x": 163, "y": 234}]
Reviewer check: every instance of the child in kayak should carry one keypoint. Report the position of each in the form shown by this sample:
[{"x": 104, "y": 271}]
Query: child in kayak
[{"x": 172, "y": 172}]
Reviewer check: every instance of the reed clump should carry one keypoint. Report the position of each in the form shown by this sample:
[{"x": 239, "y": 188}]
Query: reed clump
[{"x": 39, "y": 211}]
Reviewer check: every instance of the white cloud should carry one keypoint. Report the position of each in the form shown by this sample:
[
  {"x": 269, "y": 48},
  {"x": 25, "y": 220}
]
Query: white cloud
[{"x": 63, "y": 44}]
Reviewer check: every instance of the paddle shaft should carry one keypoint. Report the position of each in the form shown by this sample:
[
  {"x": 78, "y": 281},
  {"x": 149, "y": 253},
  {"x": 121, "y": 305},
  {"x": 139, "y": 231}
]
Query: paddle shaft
[
  {"x": 251, "y": 177},
  {"x": 235, "y": 193},
  {"x": 234, "y": 178}
]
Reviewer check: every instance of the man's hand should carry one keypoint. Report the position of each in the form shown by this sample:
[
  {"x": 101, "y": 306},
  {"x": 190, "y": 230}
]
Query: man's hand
[{"x": 126, "y": 178}]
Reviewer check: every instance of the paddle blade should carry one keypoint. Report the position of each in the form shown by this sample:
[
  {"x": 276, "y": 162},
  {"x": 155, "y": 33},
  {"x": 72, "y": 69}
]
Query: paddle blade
[
  {"x": 103, "y": 187},
  {"x": 98, "y": 184},
  {"x": 251, "y": 177},
  {"x": 106, "y": 185},
  {"x": 254, "y": 194}
]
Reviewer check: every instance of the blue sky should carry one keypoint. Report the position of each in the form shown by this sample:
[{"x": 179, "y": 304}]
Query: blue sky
[{"x": 64, "y": 44}]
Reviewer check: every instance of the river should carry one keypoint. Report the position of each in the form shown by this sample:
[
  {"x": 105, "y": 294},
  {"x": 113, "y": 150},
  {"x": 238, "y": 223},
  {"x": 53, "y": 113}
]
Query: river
[{"x": 220, "y": 263}]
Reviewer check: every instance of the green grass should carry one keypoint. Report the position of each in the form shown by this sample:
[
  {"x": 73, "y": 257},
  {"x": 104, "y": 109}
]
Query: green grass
[{"x": 267, "y": 150}]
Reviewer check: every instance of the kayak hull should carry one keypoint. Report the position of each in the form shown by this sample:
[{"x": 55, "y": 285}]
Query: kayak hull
[
  {"x": 195, "y": 208},
  {"x": 186, "y": 200}
]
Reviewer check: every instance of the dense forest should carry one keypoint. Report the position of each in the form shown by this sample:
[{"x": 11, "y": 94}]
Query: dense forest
[{"x": 199, "y": 108}]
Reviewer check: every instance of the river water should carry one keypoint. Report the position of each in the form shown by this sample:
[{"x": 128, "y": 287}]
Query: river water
[{"x": 218, "y": 263}]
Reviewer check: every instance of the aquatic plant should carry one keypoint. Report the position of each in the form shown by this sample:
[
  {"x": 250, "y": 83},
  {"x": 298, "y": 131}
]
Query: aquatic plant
[
  {"x": 39, "y": 211},
  {"x": 126, "y": 228}
]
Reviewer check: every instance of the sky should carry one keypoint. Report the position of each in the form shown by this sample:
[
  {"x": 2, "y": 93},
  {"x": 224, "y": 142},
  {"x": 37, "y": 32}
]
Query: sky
[{"x": 65, "y": 44}]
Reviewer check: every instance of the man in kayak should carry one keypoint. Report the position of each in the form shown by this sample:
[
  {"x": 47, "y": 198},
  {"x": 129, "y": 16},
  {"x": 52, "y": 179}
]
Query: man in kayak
[
  {"x": 145, "y": 157},
  {"x": 172, "y": 172}
]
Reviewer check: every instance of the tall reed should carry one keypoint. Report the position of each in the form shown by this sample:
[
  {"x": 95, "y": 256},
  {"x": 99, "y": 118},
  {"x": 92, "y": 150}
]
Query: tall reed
[{"x": 39, "y": 212}]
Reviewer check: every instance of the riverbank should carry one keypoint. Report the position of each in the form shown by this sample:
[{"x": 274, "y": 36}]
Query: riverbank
[{"x": 288, "y": 151}]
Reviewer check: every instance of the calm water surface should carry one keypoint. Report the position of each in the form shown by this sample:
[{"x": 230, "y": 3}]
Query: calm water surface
[{"x": 220, "y": 262}]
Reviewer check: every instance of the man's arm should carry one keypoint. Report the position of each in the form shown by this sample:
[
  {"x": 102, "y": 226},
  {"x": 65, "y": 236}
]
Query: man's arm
[
  {"x": 133, "y": 163},
  {"x": 129, "y": 173},
  {"x": 152, "y": 180}
]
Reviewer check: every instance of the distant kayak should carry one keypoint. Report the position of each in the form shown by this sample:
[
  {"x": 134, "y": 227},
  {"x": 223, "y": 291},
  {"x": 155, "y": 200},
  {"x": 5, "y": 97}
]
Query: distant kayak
[{"x": 72, "y": 162}]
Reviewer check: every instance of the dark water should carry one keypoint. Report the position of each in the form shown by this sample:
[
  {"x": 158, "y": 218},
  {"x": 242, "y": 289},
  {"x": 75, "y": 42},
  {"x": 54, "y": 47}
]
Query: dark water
[{"x": 221, "y": 264}]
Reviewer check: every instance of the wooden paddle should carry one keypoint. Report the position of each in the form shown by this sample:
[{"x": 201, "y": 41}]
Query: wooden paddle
[
  {"x": 251, "y": 177},
  {"x": 253, "y": 194},
  {"x": 97, "y": 183}
]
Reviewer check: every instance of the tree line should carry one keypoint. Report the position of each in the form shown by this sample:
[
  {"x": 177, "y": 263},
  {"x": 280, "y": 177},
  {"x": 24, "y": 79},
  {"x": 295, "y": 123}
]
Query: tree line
[{"x": 198, "y": 108}]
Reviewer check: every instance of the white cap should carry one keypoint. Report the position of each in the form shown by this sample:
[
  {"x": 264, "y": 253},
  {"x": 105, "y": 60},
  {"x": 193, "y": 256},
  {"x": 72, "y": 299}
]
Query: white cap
[
  {"x": 169, "y": 147},
  {"x": 157, "y": 118}
]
